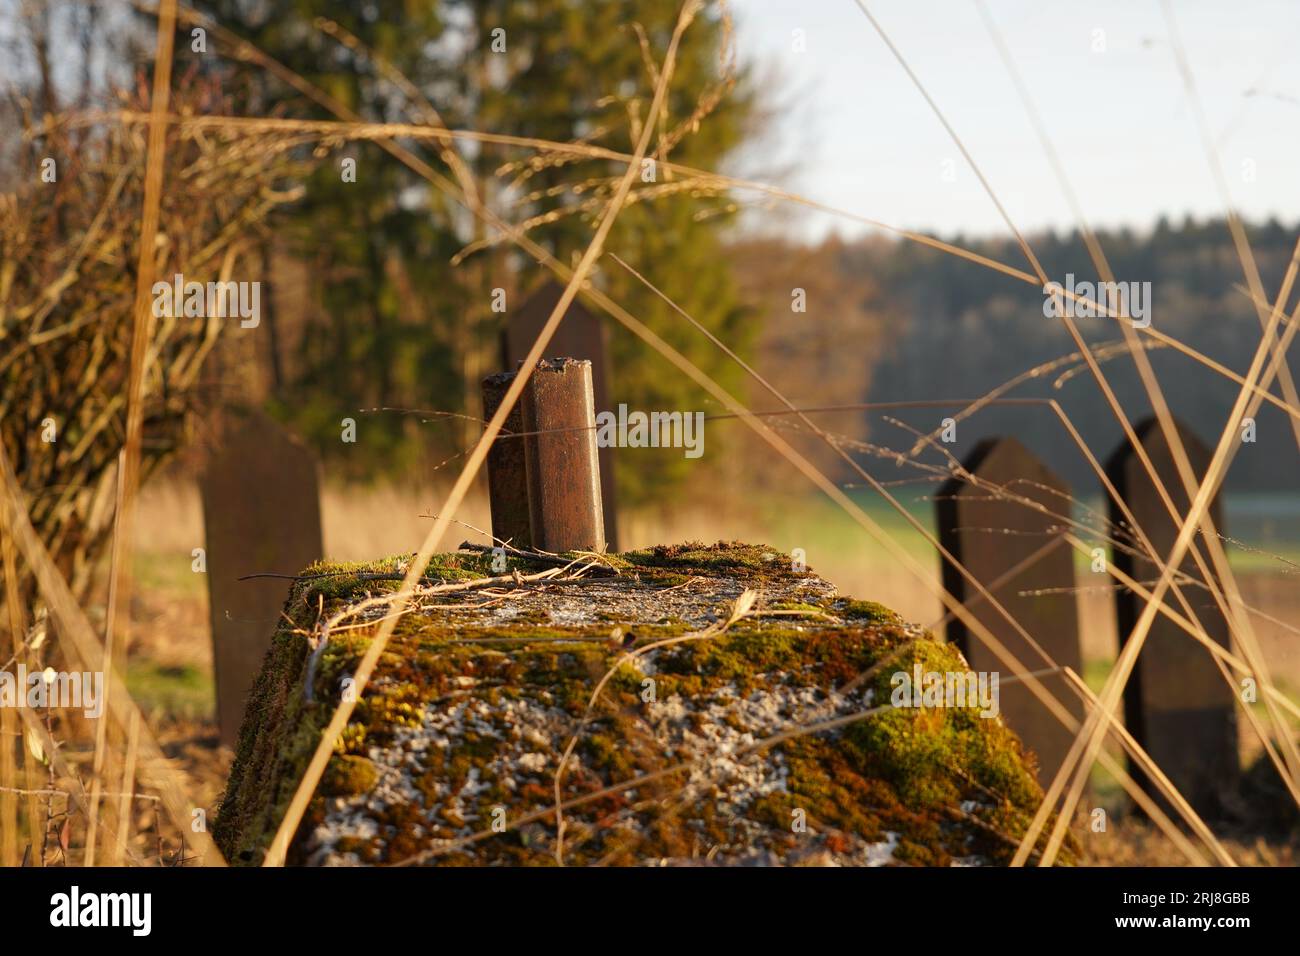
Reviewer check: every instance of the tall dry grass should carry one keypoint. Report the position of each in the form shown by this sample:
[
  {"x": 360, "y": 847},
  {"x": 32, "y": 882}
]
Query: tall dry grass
[{"x": 404, "y": 520}]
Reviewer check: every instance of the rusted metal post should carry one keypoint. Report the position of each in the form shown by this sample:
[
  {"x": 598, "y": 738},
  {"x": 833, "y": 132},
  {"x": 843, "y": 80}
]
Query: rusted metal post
[
  {"x": 507, "y": 478},
  {"x": 560, "y": 456},
  {"x": 581, "y": 335}
]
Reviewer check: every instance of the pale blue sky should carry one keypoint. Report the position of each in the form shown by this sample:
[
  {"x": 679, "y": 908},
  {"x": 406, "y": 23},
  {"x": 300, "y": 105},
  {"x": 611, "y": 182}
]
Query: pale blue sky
[{"x": 863, "y": 138}]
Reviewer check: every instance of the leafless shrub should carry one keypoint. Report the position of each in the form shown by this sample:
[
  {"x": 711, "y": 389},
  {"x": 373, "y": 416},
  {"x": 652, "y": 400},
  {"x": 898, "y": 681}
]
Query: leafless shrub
[{"x": 67, "y": 286}]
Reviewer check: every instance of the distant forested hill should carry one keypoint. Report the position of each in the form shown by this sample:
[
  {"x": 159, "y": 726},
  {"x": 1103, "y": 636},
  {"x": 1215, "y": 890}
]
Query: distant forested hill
[{"x": 954, "y": 329}]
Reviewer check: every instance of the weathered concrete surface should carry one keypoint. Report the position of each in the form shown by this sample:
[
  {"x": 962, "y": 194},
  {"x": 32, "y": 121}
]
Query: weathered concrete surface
[{"x": 451, "y": 755}]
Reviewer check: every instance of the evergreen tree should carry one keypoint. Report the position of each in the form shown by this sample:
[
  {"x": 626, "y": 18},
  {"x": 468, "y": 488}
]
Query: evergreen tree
[{"x": 399, "y": 323}]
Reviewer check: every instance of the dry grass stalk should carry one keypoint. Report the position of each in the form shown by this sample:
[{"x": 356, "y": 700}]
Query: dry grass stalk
[
  {"x": 101, "y": 728},
  {"x": 298, "y": 805},
  {"x": 1086, "y": 744},
  {"x": 1235, "y": 226},
  {"x": 17, "y": 629},
  {"x": 1084, "y": 751},
  {"x": 9, "y": 735},
  {"x": 59, "y": 770},
  {"x": 124, "y": 808},
  {"x": 84, "y": 650},
  {"x": 128, "y": 478},
  {"x": 9, "y": 732}
]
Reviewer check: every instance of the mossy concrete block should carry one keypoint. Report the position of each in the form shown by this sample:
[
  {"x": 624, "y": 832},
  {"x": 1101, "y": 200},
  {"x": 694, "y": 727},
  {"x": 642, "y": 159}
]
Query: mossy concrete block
[{"x": 686, "y": 758}]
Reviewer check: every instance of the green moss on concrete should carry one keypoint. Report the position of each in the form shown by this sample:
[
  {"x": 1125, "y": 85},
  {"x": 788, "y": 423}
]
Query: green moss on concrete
[
  {"x": 868, "y": 611},
  {"x": 898, "y": 771},
  {"x": 348, "y": 775},
  {"x": 757, "y": 563}
]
